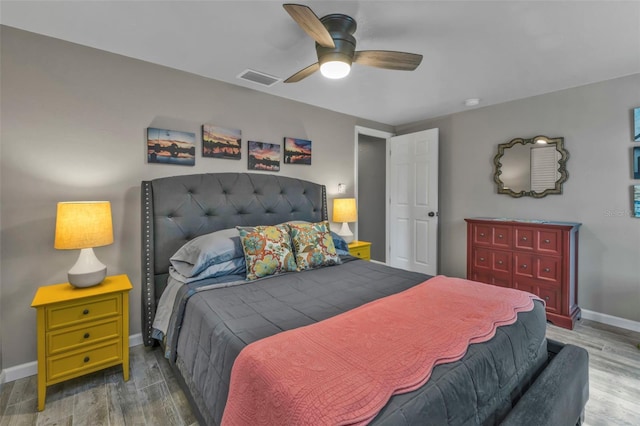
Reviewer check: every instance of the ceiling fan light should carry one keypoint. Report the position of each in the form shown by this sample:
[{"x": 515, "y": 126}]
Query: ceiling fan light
[{"x": 335, "y": 69}]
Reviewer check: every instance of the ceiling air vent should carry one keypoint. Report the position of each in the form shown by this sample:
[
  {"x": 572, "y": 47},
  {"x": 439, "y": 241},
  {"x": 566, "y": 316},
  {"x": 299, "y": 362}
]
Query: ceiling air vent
[{"x": 258, "y": 78}]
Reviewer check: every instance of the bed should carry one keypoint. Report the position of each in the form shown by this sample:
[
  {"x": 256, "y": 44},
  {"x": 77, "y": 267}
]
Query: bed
[{"x": 513, "y": 378}]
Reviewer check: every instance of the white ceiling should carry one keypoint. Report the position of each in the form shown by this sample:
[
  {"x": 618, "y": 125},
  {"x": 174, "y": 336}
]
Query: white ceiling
[{"x": 496, "y": 51}]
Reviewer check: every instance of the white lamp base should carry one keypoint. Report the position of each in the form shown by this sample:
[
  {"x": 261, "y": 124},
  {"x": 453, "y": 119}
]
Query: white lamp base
[
  {"x": 345, "y": 232},
  {"x": 87, "y": 271}
]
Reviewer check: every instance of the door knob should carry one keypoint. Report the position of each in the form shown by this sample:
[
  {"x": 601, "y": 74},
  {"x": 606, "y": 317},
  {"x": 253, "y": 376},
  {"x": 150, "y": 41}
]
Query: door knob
[{"x": 432, "y": 214}]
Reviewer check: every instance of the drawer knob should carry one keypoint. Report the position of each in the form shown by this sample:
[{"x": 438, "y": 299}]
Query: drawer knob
[
  {"x": 547, "y": 270},
  {"x": 482, "y": 234},
  {"x": 86, "y": 335},
  {"x": 500, "y": 236},
  {"x": 85, "y": 312},
  {"x": 482, "y": 259},
  {"x": 86, "y": 359},
  {"x": 524, "y": 238},
  {"x": 524, "y": 266},
  {"x": 499, "y": 262},
  {"x": 547, "y": 241},
  {"x": 358, "y": 254},
  {"x": 546, "y": 298}
]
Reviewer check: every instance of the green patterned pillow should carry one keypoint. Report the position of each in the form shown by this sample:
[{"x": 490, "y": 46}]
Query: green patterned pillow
[
  {"x": 313, "y": 245},
  {"x": 267, "y": 250}
]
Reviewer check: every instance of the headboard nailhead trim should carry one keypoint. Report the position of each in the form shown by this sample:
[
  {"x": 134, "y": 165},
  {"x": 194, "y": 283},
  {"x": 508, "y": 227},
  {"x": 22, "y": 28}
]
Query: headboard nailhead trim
[{"x": 147, "y": 275}]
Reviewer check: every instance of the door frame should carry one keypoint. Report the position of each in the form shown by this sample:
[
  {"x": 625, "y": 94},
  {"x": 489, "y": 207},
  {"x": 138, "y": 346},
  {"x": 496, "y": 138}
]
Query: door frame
[{"x": 360, "y": 130}]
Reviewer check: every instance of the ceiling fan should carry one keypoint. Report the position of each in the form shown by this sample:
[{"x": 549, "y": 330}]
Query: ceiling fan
[{"x": 336, "y": 46}]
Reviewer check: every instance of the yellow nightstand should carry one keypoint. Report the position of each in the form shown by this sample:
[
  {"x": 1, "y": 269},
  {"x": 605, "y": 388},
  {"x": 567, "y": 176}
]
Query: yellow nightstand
[
  {"x": 361, "y": 249},
  {"x": 81, "y": 330}
]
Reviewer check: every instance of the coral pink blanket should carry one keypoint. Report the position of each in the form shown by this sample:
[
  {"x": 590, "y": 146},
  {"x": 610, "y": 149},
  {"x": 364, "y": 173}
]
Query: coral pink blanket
[{"x": 343, "y": 370}]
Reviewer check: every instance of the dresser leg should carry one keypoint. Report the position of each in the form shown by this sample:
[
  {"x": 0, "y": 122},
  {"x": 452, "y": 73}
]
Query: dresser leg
[
  {"x": 125, "y": 369},
  {"x": 42, "y": 393}
]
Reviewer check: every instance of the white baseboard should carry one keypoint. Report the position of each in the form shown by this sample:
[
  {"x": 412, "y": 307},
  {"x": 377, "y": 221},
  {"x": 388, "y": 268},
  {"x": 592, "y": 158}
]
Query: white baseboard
[
  {"x": 135, "y": 340},
  {"x": 31, "y": 368},
  {"x": 1, "y": 380},
  {"x": 20, "y": 371},
  {"x": 611, "y": 320}
]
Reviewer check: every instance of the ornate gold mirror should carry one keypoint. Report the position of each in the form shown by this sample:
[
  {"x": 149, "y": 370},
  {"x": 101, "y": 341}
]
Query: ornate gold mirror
[{"x": 533, "y": 167}]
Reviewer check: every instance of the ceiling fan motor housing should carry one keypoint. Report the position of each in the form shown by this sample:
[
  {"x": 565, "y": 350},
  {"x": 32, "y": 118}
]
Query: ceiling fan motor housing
[{"x": 341, "y": 27}]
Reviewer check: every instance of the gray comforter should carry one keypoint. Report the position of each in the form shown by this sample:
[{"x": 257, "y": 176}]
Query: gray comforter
[{"x": 217, "y": 323}]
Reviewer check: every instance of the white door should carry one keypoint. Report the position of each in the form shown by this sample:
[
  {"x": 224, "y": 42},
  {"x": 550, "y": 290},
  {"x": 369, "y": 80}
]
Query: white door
[{"x": 412, "y": 186}]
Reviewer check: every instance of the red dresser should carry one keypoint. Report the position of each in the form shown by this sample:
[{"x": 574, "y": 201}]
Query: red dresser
[{"x": 535, "y": 256}]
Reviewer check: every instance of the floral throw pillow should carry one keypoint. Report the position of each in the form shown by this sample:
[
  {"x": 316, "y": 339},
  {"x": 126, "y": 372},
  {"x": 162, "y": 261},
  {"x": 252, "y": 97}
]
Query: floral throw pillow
[
  {"x": 313, "y": 245},
  {"x": 267, "y": 250}
]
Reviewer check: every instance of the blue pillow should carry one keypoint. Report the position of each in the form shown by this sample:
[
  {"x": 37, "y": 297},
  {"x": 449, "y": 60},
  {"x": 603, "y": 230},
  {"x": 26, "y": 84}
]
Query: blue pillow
[
  {"x": 341, "y": 245},
  {"x": 197, "y": 255},
  {"x": 235, "y": 266}
]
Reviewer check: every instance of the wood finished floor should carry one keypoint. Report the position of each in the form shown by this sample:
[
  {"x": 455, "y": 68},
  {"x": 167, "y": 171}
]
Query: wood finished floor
[{"x": 153, "y": 397}]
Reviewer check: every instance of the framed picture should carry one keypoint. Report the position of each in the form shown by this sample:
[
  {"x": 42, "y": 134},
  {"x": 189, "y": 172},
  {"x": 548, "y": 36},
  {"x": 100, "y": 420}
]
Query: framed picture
[
  {"x": 218, "y": 142},
  {"x": 264, "y": 156},
  {"x": 297, "y": 151},
  {"x": 171, "y": 147},
  {"x": 636, "y": 200},
  {"x": 636, "y": 162},
  {"x": 636, "y": 124}
]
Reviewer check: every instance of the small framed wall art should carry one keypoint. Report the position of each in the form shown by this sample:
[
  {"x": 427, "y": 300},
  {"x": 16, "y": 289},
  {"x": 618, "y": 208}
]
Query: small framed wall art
[
  {"x": 636, "y": 124},
  {"x": 636, "y": 200},
  {"x": 171, "y": 147},
  {"x": 297, "y": 151},
  {"x": 219, "y": 142},
  {"x": 636, "y": 162},
  {"x": 264, "y": 156}
]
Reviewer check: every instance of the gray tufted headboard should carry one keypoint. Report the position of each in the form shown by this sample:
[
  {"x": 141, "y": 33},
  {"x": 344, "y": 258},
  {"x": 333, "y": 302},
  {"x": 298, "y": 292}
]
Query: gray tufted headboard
[{"x": 179, "y": 208}]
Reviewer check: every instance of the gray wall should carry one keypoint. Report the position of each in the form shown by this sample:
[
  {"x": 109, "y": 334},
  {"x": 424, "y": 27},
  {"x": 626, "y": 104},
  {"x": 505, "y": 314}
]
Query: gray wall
[
  {"x": 596, "y": 122},
  {"x": 74, "y": 123},
  {"x": 371, "y": 194}
]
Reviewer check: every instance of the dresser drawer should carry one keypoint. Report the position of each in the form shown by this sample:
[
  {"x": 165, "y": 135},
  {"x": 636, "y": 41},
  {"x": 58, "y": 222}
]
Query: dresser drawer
[
  {"x": 549, "y": 241},
  {"x": 523, "y": 238},
  {"x": 524, "y": 265},
  {"x": 551, "y": 296},
  {"x": 549, "y": 270},
  {"x": 497, "y": 236},
  {"x": 77, "y": 337},
  {"x": 481, "y": 258},
  {"x": 542, "y": 241},
  {"x": 63, "y": 315},
  {"x": 494, "y": 260},
  {"x": 80, "y": 362},
  {"x": 487, "y": 277}
]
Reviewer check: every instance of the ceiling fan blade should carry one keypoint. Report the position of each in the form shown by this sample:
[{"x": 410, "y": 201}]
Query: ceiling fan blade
[
  {"x": 303, "y": 73},
  {"x": 388, "y": 59},
  {"x": 310, "y": 23}
]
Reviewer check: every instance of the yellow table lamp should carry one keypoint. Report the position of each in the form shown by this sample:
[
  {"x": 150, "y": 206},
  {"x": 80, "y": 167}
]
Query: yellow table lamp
[
  {"x": 84, "y": 225},
  {"x": 344, "y": 210}
]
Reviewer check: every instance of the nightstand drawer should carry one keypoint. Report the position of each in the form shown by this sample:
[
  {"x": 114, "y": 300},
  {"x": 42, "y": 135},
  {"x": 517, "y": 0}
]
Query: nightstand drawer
[
  {"x": 361, "y": 249},
  {"x": 88, "y": 309},
  {"x": 77, "y": 363},
  {"x": 69, "y": 339}
]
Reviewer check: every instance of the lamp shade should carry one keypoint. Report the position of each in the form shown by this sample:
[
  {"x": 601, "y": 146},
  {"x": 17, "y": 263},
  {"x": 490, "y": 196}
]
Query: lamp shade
[
  {"x": 344, "y": 210},
  {"x": 83, "y": 224}
]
